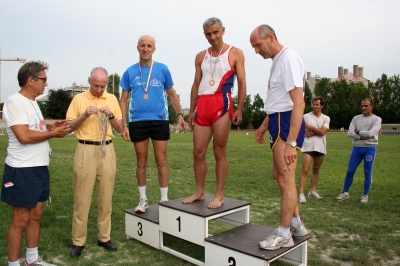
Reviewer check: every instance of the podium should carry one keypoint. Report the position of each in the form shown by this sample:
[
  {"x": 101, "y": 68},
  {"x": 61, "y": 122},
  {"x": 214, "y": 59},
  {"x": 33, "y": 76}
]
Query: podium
[
  {"x": 143, "y": 227},
  {"x": 239, "y": 246},
  {"x": 191, "y": 223}
]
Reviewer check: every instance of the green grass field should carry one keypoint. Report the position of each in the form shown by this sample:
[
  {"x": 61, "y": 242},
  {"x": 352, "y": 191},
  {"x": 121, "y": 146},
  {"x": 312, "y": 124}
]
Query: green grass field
[{"x": 342, "y": 233}]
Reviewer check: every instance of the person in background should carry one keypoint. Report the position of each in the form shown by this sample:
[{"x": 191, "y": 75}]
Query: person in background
[
  {"x": 314, "y": 147},
  {"x": 364, "y": 131}
]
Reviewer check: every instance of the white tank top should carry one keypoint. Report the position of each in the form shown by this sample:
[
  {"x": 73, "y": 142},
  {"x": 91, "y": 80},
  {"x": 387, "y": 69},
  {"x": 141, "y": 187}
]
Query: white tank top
[{"x": 224, "y": 74}]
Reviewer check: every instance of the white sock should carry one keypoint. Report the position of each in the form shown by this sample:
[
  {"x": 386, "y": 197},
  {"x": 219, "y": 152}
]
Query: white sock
[
  {"x": 13, "y": 263},
  {"x": 296, "y": 221},
  {"x": 164, "y": 193},
  {"x": 32, "y": 255},
  {"x": 285, "y": 231},
  {"x": 142, "y": 192}
]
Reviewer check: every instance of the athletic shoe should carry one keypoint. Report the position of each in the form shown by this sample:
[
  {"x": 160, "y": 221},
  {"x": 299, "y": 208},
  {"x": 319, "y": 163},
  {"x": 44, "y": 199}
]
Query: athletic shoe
[
  {"x": 143, "y": 205},
  {"x": 302, "y": 199},
  {"x": 300, "y": 230},
  {"x": 314, "y": 195},
  {"x": 343, "y": 196},
  {"x": 364, "y": 199},
  {"x": 276, "y": 241},
  {"x": 39, "y": 262},
  {"x": 163, "y": 200}
]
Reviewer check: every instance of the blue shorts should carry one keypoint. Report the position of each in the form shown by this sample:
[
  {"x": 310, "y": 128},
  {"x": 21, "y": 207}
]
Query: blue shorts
[
  {"x": 279, "y": 125},
  {"x": 25, "y": 187},
  {"x": 156, "y": 130}
]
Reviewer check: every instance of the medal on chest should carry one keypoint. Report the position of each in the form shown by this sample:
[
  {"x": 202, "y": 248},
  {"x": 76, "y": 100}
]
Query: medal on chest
[
  {"x": 146, "y": 87},
  {"x": 212, "y": 82}
]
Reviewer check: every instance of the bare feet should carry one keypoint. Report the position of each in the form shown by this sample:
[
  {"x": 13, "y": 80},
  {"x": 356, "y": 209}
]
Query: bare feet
[
  {"x": 216, "y": 203},
  {"x": 193, "y": 198}
]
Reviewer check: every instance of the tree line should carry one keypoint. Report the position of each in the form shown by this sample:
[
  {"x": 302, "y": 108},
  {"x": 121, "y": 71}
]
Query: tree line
[{"x": 342, "y": 101}]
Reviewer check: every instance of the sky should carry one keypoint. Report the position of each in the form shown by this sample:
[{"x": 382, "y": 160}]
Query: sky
[{"x": 74, "y": 36}]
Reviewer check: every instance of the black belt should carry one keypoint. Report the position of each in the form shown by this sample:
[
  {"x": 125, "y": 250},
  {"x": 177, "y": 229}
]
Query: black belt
[{"x": 94, "y": 142}]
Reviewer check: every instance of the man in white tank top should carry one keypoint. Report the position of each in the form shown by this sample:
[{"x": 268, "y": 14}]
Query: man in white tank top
[{"x": 211, "y": 111}]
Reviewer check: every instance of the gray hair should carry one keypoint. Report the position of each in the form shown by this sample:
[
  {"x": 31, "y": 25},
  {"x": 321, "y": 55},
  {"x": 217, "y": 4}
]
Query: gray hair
[
  {"x": 264, "y": 30},
  {"x": 154, "y": 40},
  {"x": 98, "y": 68},
  {"x": 30, "y": 69},
  {"x": 211, "y": 21},
  {"x": 368, "y": 100}
]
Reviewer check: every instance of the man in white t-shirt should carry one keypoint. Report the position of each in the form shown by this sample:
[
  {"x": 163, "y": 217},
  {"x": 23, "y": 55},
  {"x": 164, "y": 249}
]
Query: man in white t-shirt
[
  {"x": 26, "y": 179},
  {"x": 314, "y": 147},
  {"x": 285, "y": 107}
]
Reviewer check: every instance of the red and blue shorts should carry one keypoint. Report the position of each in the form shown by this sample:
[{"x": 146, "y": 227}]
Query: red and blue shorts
[{"x": 211, "y": 107}]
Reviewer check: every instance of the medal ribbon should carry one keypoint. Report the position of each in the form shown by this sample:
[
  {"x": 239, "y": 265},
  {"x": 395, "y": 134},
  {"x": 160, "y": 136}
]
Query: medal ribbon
[{"x": 148, "y": 76}]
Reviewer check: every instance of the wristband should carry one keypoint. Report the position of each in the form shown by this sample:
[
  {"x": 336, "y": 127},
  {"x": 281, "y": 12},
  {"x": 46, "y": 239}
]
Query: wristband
[
  {"x": 111, "y": 117},
  {"x": 179, "y": 114}
]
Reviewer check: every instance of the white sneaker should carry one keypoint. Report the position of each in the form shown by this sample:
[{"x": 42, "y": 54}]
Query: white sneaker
[
  {"x": 163, "y": 200},
  {"x": 39, "y": 262},
  {"x": 343, "y": 196},
  {"x": 314, "y": 195},
  {"x": 300, "y": 230},
  {"x": 302, "y": 199},
  {"x": 364, "y": 199},
  {"x": 276, "y": 241},
  {"x": 143, "y": 205}
]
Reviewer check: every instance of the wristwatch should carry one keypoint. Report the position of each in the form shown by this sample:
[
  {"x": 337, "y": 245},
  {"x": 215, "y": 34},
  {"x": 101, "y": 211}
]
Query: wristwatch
[{"x": 292, "y": 143}]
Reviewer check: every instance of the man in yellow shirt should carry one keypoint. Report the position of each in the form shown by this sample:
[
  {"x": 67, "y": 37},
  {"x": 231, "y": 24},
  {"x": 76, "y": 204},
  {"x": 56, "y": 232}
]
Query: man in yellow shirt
[{"x": 93, "y": 114}]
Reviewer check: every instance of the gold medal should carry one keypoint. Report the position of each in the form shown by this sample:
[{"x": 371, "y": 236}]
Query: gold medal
[
  {"x": 212, "y": 82},
  {"x": 146, "y": 87}
]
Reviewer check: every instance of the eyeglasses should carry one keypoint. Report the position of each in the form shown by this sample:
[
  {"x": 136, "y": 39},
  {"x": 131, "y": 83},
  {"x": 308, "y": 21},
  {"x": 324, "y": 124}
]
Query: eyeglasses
[{"x": 44, "y": 79}]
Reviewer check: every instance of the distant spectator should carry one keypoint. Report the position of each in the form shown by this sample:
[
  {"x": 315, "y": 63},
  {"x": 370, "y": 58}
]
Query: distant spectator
[
  {"x": 314, "y": 147},
  {"x": 364, "y": 131}
]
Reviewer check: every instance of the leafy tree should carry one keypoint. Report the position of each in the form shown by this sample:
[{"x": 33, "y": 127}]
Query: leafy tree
[
  {"x": 57, "y": 104},
  {"x": 186, "y": 117},
  {"x": 395, "y": 82},
  {"x": 113, "y": 85},
  {"x": 344, "y": 102},
  {"x": 257, "y": 117},
  {"x": 1, "y": 109},
  {"x": 308, "y": 99},
  {"x": 173, "y": 119},
  {"x": 323, "y": 88},
  {"x": 246, "y": 112},
  {"x": 258, "y": 103},
  {"x": 386, "y": 96},
  {"x": 235, "y": 103},
  {"x": 43, "y": 109}
]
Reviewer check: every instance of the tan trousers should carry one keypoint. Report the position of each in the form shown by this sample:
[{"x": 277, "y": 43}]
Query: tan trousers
[{"x": 89, "y": 166}]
